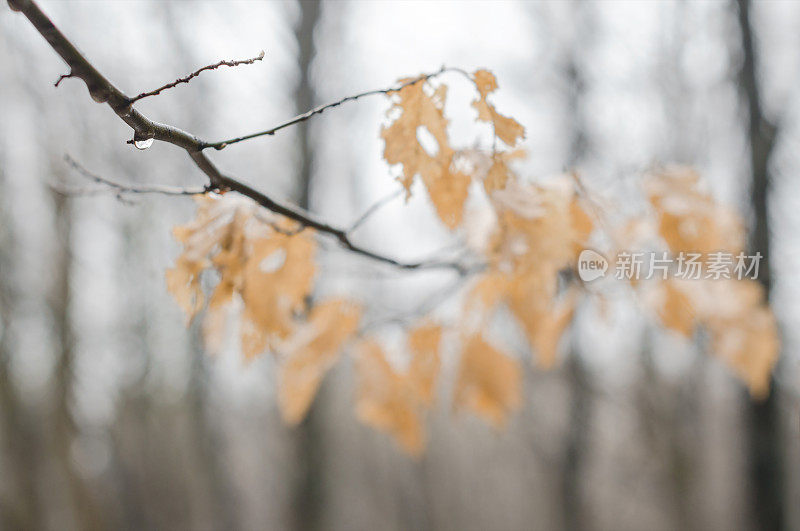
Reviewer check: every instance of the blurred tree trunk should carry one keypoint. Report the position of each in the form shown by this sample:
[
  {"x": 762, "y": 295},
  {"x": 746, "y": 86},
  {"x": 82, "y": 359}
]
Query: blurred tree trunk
[
  {"x": 308, "y": 490},
  {"x": 304, "y": 95},
  {"x": 678, "y": 404},
  {"x": 662, "y": 409},
  {"x": 84, "y": 507},
  {"x": 576, "y": 441},
  {"x": 22, "y": 509},
  {"x": 766, "y": 482},
  {"x": 216, "y": 488}
]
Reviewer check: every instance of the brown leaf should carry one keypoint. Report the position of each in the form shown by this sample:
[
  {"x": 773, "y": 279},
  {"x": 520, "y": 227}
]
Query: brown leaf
[
  {"x": 278, "y": 276},
  {"x": 689, "y": 219},
  {"x": 423, "y": 342},
  {"x": 418, "y": 109},
  {"x": 489, "y": 382},
  {"x": 311, "y": 351},
  {"x": 541, "y": 230},
  {"x": 676, "y": 309},
  {"x": 386, "y": 401},
  {"x": 270, "y": 271},
  {"x": 505, "y": 128}
]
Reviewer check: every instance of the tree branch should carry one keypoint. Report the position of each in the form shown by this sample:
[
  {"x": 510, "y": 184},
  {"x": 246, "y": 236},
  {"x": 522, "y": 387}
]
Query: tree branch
[
  {"x": 103, "y": 91},
  {"x": 430, "y": 303},
  {"x": 196, "y": 73},
  {"x": 322, "y": 108},
  {"x": 61, "y": 78},
  {"x": 129, "y": 188},
  {"x": 380, "y": 203}
]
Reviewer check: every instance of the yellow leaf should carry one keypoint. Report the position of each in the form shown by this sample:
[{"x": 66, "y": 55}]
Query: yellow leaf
[
  {"x": 749, "y": 346},
  {"x": 183, "y": 281},
  {"x": 489, "y": 382},
  {"x": 423, "y": 341},
  {"x": 505, "y": 128},
  {"x": 689, "y": 219},
  {"x": 278, "y": 276},
  {"x": 497, "y": 176},
  {"x": 420, "y": 110},
  {"x": 448, "y": 192},
  {"x": 743, "y": 329},
  {"x": 270, "y": 271},
  {"x": 544, "y": 326},
  {"x": 676, "y": 310},
  {"x": 541, "y": 230},
  {"x": 312, "y": 350},
  {"x": 386, "y": 401},
  {"x": 214, "y": 326}
]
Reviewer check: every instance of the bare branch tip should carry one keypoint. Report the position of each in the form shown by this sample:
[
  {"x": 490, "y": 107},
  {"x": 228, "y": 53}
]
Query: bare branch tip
[
  {"x": 189, "y": 77},
  {"x": 62, "y": 77}
]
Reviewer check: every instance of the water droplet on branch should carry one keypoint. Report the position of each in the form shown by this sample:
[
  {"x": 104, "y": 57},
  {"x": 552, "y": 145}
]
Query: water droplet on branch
[{"x": 142, "y": 143}]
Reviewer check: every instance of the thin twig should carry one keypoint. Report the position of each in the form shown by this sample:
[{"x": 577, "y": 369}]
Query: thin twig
[
  {"x": 126, "y": 188},
  {"x": 428, "y": 304},
  {"x": 322, "y": 108},
  {"x": 103, "y": 91},
  {"x": 62, "y": 77},
  {"x": 374, "y": 208},
  {"x": 196, "y": 73}
]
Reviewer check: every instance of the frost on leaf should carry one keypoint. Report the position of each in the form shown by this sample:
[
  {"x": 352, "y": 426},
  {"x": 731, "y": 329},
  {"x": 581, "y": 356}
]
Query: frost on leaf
[
  {"x": 270, "y": 271},
  {"x": 505, "y": 128},
  {"x": 419, "y": 108},
  {"x": 540, "y": 232},
  {"x": 310, "y": 352},
  {"x": 489, "y": 382}
]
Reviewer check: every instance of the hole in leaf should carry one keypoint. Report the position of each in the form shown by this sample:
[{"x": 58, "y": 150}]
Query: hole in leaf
[
  {"x": 273, "y": 262},
  {"x": 427, "y": 141}
]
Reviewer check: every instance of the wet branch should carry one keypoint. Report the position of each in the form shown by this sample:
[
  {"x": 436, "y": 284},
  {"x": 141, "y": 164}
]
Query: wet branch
[
  {"x": 194, "y": 74},
  {"x": 103, "y": 91},
  {"x": 119, "y": 187},
  {"x": 377, "y": 205},
  {"x": 322, "y": 108}
]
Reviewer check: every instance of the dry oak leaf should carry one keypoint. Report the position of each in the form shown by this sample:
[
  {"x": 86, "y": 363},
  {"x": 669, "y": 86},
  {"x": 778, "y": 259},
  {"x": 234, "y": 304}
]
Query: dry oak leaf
[
  {"x": 742, "y": 327},
  {"x": 278, "y": 277},
  {"x": 689, "y": 219},
  {"x": 541, "y": 229},
  {"x": 269, "y": 270},
  {"x": 386, "y": 401},
  {"x": 489, "y": 383},
  {"x": 505, "y": 128},
  {"x": 750, "y": 346},
  {"x": 744, "y": 333},
  {"x": 499, "y": 173},
  {"x": 311, "y": 351},
  {"x": 423, "y": 370},
  {"x": 209, "y": 231},
  {"x": 417, "y": 109},
  {"x": 675, "y": 307}
]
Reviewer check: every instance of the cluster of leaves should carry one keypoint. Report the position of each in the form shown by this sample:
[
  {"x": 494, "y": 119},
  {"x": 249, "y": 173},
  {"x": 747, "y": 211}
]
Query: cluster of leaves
[
  {"x": 265, "y": 266},
  {"x": 734, "y": 312}
]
